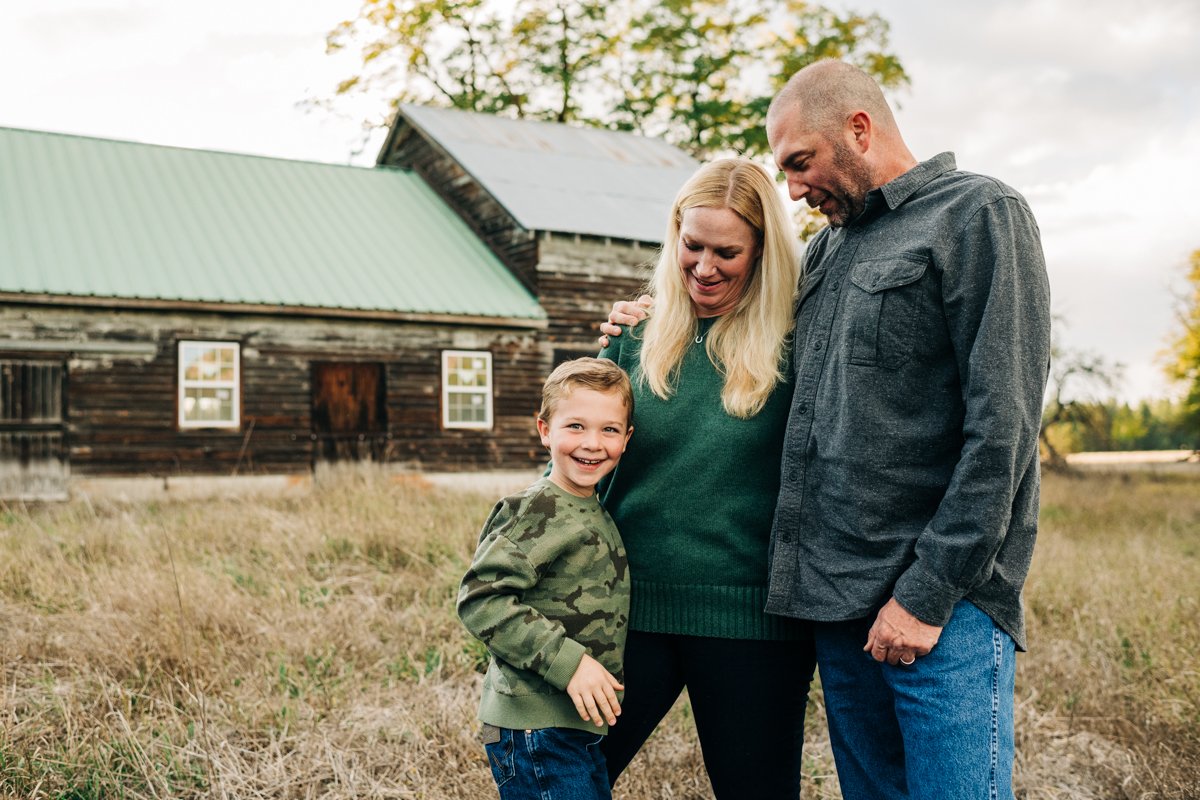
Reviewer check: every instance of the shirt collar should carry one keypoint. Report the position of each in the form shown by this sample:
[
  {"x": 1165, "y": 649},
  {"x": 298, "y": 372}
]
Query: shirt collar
[
  {"x": 893, "y": 193},
  {"x": 900, "y": 189}
]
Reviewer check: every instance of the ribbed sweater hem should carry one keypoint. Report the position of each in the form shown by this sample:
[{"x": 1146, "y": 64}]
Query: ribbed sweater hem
[
  {"x": 533, "y": 711},
  {"x": 724, "y": 612}
]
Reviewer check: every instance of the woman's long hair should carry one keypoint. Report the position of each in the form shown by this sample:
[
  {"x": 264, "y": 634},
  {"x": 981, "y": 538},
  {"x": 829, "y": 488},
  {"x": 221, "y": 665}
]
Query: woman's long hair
[{"x": 746, "y": 344}]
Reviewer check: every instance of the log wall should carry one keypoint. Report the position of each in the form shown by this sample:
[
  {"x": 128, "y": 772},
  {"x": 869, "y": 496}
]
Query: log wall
[{"x": 121, "y": 387}]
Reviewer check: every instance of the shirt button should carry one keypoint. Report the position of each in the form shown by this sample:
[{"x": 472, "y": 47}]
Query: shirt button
[
  {"x": 802, "y": 408},
  {"x": 834, "y": 287},
  {"x": 793, "y": 476},
  {"x": 816, "y": 346}
]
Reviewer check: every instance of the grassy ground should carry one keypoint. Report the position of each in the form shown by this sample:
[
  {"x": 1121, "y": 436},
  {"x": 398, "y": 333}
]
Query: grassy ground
[{"x": 306, "y": 648}]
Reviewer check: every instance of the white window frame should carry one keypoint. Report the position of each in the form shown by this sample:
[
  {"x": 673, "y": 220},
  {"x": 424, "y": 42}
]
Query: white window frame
[
  {"x": 485, "y": 391},
  {"x": 184, "y": 383}
]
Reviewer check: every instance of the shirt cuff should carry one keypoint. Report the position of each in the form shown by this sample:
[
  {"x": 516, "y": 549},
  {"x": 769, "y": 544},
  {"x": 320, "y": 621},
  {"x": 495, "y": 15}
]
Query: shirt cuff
[
  {"x": 925, "y": 598},
  {"x": 563, "y": 667}
]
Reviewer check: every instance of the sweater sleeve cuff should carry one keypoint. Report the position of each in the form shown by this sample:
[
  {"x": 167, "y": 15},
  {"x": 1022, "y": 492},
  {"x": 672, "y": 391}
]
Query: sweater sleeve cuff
[
  {"x": 563, "y": 667},
  {"x": 924, "y": 597}
]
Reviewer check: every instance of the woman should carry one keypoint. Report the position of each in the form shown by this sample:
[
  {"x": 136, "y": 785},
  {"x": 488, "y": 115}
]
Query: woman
[{"x": 694, "y": 494}]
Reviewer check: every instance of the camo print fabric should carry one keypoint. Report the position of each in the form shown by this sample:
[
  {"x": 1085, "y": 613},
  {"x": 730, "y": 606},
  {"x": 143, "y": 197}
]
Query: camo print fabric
[{"x": 549, "y": 582}]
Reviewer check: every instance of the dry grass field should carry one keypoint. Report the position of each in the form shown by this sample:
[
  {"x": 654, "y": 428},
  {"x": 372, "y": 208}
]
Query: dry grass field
[{"x": 306, "y": 647}]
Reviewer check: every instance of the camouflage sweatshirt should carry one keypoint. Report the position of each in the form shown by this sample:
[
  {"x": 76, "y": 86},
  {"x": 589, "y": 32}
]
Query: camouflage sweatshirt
[{"x": 549, "y": 582}]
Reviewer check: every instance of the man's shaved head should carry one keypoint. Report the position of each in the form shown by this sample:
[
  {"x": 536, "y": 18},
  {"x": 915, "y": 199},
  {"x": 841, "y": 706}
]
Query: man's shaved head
[{"x": 827, "y": 92}]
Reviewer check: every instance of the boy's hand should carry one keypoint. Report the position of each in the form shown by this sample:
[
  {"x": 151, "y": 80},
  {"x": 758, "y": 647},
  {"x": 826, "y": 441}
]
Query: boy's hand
[
  {"x": 593, "y": 690},
  {"x": 625, "y": 313}
]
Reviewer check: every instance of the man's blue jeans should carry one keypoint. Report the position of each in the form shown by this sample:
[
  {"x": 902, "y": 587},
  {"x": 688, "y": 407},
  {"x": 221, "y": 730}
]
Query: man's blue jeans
[
  {"x": 941, "y": 728},
  {"x": 549, "y": 764}
]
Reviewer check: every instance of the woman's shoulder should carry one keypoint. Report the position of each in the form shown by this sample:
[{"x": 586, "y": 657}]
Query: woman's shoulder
[{"x": 627, "y": 345}]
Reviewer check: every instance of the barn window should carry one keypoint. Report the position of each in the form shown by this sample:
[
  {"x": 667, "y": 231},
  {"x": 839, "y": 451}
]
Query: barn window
[
  {"x": 209, "y": 385},
  {"x": 466, "y": 389}
]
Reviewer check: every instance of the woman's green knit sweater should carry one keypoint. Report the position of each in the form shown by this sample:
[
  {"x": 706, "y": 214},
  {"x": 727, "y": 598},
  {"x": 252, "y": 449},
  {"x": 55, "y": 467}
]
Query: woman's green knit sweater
[{"x": 693, "y": 498}]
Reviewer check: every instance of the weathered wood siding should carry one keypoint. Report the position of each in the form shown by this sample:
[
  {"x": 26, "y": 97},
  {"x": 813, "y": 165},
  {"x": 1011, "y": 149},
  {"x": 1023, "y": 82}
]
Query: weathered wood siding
[
  {"x": 122, "y": 388},
  {"x": 580, "y": 277}
]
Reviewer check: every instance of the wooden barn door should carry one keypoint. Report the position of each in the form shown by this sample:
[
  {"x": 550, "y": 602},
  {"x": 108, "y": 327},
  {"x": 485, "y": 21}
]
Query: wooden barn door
[
  {"x": 349, "y": 412},
  {"x": 33, "y": 458}
]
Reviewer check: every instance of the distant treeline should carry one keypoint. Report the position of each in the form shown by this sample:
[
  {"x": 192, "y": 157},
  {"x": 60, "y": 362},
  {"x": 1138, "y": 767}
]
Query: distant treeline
[{"x": 1149, "y": 425}]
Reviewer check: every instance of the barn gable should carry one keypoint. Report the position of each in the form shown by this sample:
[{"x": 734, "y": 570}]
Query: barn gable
[{"x": 576, "y": 213}]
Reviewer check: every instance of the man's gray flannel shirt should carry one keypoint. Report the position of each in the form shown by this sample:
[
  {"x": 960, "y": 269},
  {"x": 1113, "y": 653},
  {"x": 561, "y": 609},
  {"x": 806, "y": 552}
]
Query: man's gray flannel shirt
[{"x": 910, "y": 465}]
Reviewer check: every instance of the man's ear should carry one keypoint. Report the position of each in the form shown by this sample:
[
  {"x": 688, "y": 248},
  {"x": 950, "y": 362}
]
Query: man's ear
[{"x": 858, "y": 129}]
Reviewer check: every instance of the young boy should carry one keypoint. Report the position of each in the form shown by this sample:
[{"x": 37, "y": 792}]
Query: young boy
[{"x": 548, "y": 593}]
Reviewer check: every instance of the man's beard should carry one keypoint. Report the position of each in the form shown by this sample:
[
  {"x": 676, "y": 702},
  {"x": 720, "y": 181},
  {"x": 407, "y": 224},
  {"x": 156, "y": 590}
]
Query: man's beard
[{"x": 851, "y": 183}]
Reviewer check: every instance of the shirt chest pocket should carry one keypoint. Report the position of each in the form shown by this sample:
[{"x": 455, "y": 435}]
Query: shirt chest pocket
[{"x": 881, "y": 310}]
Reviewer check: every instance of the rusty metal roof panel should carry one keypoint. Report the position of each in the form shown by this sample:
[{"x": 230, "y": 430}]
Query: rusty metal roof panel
[
  {"x": 563, "y": 178},
  {"x": 99, "y": 218}
]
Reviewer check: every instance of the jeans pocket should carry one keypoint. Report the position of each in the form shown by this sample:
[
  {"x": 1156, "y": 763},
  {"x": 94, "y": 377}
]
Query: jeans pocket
[{"x": 500, "y": 757}]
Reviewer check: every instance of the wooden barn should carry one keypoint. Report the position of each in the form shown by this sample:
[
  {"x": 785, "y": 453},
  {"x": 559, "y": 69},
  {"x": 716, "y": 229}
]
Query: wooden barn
[{"x": 172, "y": 312}]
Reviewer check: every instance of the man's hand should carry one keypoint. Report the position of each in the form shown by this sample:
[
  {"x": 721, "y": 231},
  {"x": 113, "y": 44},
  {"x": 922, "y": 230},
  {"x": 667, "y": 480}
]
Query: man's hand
[
  {"x": 625, "y": 313},
  {"x": 593, "y": 690},
  {"x": 899, "y": 637}
]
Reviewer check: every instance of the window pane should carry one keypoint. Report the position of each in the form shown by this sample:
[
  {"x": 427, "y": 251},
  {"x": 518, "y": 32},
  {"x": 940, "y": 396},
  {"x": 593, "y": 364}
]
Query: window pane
[
  {"x": 456, "y": 408},
  {"x": 208, "y": 405}
]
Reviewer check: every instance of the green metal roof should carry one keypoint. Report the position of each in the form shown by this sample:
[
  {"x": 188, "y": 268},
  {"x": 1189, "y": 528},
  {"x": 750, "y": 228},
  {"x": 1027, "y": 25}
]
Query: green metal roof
[{"x": 96, "y": 218}]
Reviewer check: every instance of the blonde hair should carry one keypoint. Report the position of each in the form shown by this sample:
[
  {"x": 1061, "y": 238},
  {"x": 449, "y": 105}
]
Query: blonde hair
[
  {"x": 598, "y": 374},
  {"x": 747, "y": 344}
]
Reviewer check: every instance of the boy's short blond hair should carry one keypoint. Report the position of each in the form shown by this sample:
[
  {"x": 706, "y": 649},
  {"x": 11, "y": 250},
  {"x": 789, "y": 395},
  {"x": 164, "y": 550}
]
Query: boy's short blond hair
[{"x": 598, "y": 374}]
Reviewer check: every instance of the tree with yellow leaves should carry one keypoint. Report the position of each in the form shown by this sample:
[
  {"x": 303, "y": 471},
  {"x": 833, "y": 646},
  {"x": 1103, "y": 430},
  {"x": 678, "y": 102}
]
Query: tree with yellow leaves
[{"x": 1185, "y": 349}]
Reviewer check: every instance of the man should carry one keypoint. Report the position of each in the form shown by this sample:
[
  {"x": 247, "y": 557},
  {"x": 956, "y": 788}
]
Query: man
[{"x": 908, "y": 506}]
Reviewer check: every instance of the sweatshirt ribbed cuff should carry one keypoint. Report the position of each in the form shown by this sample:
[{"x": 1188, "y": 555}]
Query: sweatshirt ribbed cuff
[{"x": 563, "y": 667}]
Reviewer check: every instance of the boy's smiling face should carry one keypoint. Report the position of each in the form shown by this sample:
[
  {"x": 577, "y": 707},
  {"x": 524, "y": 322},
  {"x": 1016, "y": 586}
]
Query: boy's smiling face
[{"x": 586, "y": 436}]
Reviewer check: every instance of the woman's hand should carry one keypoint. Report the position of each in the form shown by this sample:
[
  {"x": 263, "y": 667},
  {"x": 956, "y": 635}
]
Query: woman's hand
[{"x": 625, "y": 312}]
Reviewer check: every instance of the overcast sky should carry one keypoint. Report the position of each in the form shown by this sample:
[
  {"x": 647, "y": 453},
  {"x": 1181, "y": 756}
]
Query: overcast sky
[{"x": 1091, "y": 108}]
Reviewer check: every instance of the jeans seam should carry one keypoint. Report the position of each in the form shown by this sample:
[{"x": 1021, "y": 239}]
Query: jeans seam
[
  {"x": 994, "y": 745},
  {"x": 538, "y": 774}
]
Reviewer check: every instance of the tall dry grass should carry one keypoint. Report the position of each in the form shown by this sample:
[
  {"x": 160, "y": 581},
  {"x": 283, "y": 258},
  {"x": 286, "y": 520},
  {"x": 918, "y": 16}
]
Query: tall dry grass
[
  {"x": 1113, "y": 605},
  {"x": 306, "y": 647}
]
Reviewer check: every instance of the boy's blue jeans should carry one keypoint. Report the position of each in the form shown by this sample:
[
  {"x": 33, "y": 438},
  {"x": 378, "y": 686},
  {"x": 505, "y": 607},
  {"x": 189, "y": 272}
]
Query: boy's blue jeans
[
  {"x": 941, "y": 728},
  {"x": 549, "y": 764}
]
